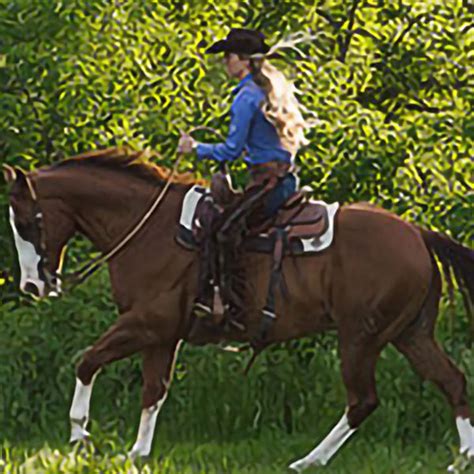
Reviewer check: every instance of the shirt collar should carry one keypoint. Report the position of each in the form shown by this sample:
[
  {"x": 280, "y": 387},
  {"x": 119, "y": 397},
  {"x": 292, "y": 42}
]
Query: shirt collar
[{"x": 243, "y": 81}]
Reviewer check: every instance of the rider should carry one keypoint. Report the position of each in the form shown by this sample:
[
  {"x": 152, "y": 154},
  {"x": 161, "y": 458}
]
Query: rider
[{"x": 266, "y": 122}]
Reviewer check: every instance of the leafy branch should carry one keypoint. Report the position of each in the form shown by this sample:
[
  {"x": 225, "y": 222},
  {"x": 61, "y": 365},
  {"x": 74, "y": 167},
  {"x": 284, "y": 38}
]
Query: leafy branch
[
  {"x": 344, "y": 44},
  {"x": 411, "y": 23}
]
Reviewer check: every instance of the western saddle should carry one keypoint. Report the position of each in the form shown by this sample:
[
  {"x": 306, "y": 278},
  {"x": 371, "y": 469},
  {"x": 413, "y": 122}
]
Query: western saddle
[{"x": 298, "y": 218}]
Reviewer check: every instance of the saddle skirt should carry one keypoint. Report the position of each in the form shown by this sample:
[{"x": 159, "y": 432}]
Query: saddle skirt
[{"x": 308, "y": 225}]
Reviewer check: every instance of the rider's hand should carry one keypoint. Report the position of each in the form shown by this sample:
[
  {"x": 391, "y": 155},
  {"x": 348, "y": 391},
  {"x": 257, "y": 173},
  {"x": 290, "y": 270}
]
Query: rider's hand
[{"x": 186, "y": 143}]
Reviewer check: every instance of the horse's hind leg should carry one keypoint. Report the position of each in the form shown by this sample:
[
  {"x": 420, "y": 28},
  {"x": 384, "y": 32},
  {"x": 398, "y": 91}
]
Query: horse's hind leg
[
  {"x": 158, "y": 367},
  {"x": 126, "y": 337},
  {"x": 430, "y": 361},
  {"x": 358, "y": 371}
]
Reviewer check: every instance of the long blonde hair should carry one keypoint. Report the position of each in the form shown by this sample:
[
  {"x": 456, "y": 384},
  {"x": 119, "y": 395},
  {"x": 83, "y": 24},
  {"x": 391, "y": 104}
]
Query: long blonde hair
[{"x": 281, "y": 108}]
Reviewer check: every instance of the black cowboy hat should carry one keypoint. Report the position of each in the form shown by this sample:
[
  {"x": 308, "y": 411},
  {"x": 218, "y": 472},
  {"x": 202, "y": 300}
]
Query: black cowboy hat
[{"x": 241, "y": 41}]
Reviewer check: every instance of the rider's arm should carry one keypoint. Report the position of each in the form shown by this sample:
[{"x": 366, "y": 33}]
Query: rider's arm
[{"x": 242, "y": 112}]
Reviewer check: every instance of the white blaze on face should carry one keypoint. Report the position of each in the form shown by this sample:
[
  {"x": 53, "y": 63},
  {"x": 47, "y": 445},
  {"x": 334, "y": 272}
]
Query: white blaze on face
[{"x": 28, "y": 259}]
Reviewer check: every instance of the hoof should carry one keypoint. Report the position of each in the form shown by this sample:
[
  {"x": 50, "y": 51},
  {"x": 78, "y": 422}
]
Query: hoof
[
  {"x": 137, "y": 459},
  {"x": 78, "y": 431},
  {"x": 302, "y": 464},
  {"x": 297, "y": 466},
  {"x": 463, "y": 463}
]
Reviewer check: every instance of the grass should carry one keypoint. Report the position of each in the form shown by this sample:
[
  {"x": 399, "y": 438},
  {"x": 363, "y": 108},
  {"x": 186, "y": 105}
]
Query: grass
[
  {"x": 269, "y": 453},
  {"x": 216, "y": 421}
]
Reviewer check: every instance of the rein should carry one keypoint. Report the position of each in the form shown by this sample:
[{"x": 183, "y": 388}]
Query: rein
[
  {"x": 90, "y": 268},
  {"x": 79, "y": 276}
]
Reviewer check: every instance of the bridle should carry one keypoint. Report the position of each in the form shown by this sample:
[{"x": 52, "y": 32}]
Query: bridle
[
  {"x": 71, "y": 280},
  {"x": 50, "y": 277}
]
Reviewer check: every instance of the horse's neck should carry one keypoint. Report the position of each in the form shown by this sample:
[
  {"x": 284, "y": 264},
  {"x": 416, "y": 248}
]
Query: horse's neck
[{"x": 104, "y": 207}]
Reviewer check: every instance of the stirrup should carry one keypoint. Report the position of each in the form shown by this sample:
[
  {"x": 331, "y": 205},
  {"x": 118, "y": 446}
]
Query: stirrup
[{"x": 201, "y": 310}]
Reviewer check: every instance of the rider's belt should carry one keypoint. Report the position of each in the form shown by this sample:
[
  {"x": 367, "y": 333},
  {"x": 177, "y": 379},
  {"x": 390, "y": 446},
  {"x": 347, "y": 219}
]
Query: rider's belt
[{"x": 270, "y": 171}]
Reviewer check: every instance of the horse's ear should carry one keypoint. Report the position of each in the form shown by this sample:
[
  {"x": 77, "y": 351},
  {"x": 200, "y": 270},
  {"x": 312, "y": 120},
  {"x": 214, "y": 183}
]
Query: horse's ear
[
  {"x": 13, "y": 174},
  {"x": 9, "y": 174},
  {"x": 20, "y": 175}
]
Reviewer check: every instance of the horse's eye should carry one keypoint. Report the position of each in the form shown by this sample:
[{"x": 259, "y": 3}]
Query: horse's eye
[
  {"x": 21, "y": 226},
  {"x": 26, "y": 229}
]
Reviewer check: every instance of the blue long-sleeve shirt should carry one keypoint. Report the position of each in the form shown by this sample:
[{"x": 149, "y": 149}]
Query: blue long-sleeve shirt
[{"x": 249, "y": 129}]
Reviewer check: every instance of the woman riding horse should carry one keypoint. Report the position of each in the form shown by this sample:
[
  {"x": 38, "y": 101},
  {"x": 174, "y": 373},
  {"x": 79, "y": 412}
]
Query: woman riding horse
[{"x": 266, "y": 122}]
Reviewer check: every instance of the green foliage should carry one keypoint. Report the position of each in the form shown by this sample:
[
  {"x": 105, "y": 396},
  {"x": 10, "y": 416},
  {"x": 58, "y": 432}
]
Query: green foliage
[{"x": 389, "y": 82}]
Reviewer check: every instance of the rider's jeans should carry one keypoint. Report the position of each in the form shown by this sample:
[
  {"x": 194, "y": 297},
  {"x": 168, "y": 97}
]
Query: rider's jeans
[{"x": 279, "y": 194}]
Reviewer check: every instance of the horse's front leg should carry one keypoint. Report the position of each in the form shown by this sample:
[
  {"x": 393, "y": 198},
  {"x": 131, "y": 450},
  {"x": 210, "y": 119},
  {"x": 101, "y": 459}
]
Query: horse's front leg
[
  {"x": 79, "y": 412},
  {"x": 126, "y": 337},
  {"x": 158, "y": 367}
]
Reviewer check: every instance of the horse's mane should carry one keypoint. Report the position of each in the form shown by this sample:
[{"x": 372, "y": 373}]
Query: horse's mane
[{"x": 132, "y": 162}]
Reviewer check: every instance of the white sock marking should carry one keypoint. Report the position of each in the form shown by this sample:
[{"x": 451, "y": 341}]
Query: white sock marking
[
  {"x": 146, "y": 430},
  {"x": 471, "y": 451},
  {"x": 27, "y": 257},
  {"x": 320, "y": 455},
  {"x": 142, "y": 446},
  {"x": 79, "y": 412},
  {"x": 466, "y": 436}
]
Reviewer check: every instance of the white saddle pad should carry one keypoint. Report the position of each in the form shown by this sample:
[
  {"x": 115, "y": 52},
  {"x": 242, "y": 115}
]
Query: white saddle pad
[{"x": 311, "y": 245}]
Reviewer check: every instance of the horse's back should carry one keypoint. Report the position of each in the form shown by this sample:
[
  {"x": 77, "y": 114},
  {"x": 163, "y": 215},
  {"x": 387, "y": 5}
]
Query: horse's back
[
  {"x": 380, "y": 260},
  {"x": 381, "y": 239}
]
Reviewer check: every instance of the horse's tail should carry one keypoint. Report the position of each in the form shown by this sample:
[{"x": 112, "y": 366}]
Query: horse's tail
[{"x": 455, "y": 259}]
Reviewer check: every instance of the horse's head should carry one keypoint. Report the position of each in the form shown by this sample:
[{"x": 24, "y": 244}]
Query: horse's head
[{"x": 41, "y": 229}]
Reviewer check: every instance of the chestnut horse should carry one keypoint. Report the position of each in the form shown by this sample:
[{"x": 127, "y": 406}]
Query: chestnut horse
[{"x": 378, "y": 283}]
